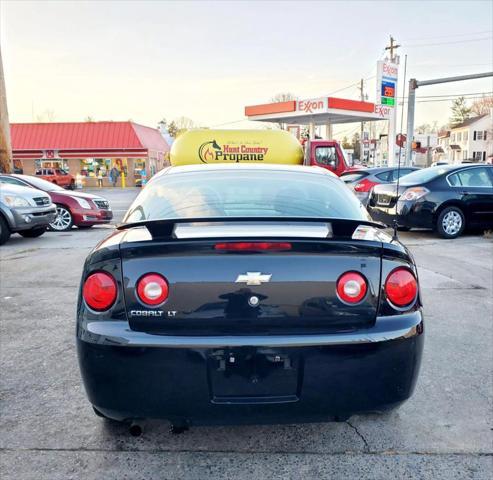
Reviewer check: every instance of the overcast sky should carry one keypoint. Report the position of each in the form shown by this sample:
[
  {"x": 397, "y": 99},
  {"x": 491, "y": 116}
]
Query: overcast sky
[{"x": 206, "y": 60}]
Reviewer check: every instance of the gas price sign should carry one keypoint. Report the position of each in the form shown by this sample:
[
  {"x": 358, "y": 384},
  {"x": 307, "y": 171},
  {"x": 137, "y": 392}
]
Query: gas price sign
[{"x": 388, "y": 93}]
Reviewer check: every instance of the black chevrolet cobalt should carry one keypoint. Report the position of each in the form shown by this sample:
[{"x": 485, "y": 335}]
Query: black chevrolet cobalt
[{"x": 248, "y": 294}]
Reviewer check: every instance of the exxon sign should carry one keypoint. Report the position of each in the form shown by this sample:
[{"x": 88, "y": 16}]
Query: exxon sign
[{"x": 313, "y": 105}]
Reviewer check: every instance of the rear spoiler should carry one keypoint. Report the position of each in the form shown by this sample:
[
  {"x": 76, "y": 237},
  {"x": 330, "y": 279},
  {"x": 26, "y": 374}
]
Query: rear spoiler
[{"x": 165, "y": 229}]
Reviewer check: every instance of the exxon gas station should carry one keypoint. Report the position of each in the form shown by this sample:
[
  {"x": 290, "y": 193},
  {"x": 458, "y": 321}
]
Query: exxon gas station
[{"x": 320, "y": 114}]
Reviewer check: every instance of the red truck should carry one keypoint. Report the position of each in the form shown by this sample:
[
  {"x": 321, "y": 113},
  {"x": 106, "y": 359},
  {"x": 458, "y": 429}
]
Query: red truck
[
  {"x": 57, "y": 176},
  {"x": 327, "y": 154}
]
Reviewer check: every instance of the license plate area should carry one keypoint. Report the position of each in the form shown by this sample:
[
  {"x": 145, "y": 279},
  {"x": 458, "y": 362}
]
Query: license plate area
[
  {"x": 383, "y": 200},
  {"x": 254, "y": 375}
]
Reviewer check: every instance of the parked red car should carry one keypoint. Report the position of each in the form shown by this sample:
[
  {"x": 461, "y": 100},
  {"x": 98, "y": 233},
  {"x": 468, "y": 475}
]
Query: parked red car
[
  {"x": 57, "y": 176},
  {"x": 73, "y": 208}
]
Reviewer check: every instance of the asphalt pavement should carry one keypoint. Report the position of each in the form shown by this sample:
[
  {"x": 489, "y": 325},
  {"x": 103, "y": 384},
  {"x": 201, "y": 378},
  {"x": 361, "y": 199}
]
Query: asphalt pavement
[{"x": 48, "y": 430}]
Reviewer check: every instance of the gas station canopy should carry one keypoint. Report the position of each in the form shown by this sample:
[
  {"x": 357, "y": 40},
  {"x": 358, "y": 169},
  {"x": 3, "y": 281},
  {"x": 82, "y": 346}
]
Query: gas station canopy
[{"x": 315, "y": 111}]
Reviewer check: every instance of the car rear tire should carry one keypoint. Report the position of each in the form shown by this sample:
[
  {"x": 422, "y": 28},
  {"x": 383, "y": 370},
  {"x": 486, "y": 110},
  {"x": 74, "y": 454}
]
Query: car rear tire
[
  {"x": 451, "y": 222},
  {"x": 4, "y": 231},
  {"x": 72, "y": 185},
  {"x": 63, "y": 221},
  {"x": 33, "y": 233}
]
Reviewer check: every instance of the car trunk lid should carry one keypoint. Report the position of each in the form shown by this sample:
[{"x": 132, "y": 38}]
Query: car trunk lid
[{"x": 214, "y": 291}]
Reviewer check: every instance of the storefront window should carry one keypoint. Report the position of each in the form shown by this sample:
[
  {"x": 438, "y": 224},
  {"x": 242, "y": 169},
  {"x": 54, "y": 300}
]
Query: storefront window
[
  {"x": 93, "y": 167},
  {"x": 56, "y": 163}
]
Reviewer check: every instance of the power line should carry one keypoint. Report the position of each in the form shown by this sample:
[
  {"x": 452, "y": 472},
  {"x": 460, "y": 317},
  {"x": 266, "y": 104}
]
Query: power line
[
  {"x": 455, "y": 95},
  {"x": 465, "y": 34},
  {"x": 447, "y": 43},
  {"x": 445, "y": 100},
  {"x": 451, "y": 65}
]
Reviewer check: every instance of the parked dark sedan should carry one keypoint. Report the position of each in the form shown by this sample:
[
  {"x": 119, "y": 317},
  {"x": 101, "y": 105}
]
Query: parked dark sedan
[
  {"x": 445, "y": 198},
  {"x": 362, "y": 181},
  {"x": 223, "y": 298}
]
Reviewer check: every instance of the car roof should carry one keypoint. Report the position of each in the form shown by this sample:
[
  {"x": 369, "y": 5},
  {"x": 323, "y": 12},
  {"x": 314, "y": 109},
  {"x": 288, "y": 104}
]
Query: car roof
[
  {"x": 372, "y": 170},
  {"x": 226, "y": 167},
  {"x": 450, "y": 168}
]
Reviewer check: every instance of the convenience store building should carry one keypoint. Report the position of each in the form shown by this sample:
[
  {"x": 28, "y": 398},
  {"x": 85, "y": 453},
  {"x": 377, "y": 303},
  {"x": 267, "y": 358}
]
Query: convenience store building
[{"x": 90, "y": 149}]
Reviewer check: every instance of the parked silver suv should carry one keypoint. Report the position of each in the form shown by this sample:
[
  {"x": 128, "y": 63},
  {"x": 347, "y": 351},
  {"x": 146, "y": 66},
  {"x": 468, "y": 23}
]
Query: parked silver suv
[{"x": 24, "y": 210}]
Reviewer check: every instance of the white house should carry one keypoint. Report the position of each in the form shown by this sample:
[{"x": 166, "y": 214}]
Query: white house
[
  {"x": 440, "y": 152},
  {"x": 472, "y": 140}
]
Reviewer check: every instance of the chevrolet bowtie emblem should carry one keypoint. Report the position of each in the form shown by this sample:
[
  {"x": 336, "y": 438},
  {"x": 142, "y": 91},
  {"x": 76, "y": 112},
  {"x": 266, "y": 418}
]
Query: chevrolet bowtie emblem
[{"x": 253, "y": 278}]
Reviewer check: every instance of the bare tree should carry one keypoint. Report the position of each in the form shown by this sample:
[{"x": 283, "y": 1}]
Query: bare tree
[
  {"x": 184, "y": 123},
  {"x": 47, "y": 116},
  {"x": 283, "y": 97},
  {"x": 482, "y": 106},
  {"x": 172, "y": 129}
]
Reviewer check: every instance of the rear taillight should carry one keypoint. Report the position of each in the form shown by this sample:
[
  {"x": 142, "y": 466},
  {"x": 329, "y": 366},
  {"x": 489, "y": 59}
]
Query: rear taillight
[
  {"x": 252, "y": 246},
  {"x": 414, "y": 193},
  {"x": 99, "y": 291},
  {"x": 152, "y": 289},
  {"x": 364, "y": 186},
  {"x": 401, "y": 287},
  {"x": 351, "y": 287}
]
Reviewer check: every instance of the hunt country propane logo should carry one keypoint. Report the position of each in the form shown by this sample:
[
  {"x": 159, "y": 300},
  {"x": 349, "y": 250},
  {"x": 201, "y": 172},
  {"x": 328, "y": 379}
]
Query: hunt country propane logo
[{"x": 212, "y": 152}]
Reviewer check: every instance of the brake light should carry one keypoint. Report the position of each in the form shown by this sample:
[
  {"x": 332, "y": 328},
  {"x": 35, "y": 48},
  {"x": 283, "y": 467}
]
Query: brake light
[
  {"x": 152, "y": 289},
  {"x": 351, "y": 287},
  {"x": 252, "y": 246},
  {"x": 401, "y": 287},
  {"x": 99, "y": 291},
  {"x": 364, "y": 186}
]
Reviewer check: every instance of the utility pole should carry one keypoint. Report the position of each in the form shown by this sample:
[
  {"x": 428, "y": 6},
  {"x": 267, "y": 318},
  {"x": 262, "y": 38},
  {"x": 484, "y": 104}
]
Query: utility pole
[
  {"x": 362, "y": 128},
  {"x": 392, "y": 47},
  {"x": 6, "y": 164},
  {"x": 394, "y": 59},
  {"x": 411, "y": 101}
]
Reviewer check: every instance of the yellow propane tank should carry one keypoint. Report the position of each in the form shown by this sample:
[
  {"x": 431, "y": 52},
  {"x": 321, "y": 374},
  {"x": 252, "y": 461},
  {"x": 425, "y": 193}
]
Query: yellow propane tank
[{"x": 233, "y": 146}]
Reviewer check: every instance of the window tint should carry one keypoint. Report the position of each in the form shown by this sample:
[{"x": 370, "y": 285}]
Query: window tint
[
  {"x": 325, "y": 155},
  {"x": 454, "y": 180},
  {"x": 12, "y": 181},
  {"x": 242, "y": 193},
  {"x": 384, "y": 176},
  {"x": 474, "y": 177},
  {"x": 353, "y": 177},
  {"x": 397, "y": 173},
  {"x": 422, "y": 176}
]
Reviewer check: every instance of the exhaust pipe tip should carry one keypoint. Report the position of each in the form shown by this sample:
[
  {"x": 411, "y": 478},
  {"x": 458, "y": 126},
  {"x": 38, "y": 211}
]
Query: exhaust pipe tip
[{"x": 136, "y": 429}]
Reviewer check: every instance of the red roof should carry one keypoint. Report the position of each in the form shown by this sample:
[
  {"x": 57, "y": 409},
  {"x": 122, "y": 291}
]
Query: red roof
[{"x": 85, "y": 136}]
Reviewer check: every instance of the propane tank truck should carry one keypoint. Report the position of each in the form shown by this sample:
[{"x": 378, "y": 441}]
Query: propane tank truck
[{"x": 257, "y": 146}]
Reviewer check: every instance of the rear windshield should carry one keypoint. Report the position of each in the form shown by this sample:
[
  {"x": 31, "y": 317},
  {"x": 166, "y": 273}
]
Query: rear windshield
[
  {"x": 353, "y": 177},
  {"x": 423, "y": 176},
  {"x": 260, "y": 193}
]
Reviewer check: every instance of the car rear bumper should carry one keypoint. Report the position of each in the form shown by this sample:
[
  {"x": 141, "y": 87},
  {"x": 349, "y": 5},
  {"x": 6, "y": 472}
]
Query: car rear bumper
[
  {"x": 271, "y": 379},
  {"x": 408, "y": 214},
  {"x": 91, "y": 217}
]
